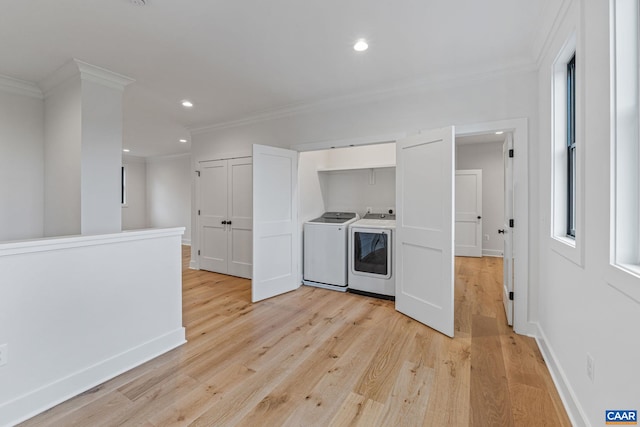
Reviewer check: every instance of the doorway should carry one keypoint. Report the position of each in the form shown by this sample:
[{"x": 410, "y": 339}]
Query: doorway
[{"x": 488, "y": 234}]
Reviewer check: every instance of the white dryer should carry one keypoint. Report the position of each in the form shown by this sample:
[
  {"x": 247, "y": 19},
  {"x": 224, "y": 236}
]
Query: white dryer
[
  {"x": 325, "y": 250},
  {"x": 371, "y": 256}
]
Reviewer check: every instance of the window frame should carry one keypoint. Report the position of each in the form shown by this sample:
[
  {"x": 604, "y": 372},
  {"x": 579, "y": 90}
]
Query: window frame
[
  {"x": 566, "y": 233},
  {"x": 623, "y": 272}
]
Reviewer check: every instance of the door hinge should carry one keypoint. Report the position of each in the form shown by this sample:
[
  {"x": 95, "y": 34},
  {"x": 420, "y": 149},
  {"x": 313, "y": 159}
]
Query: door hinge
[
  {"x": 511, "y": 223},
  {"x": 199, "y": 254},
  {"x": 198, "y": 211},
  {"x": 511, "y": 152},
  {"x": 511, "y": 296},
  {"x": 198, "y": 172}
]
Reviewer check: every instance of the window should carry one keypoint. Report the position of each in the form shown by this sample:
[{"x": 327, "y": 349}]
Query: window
[
  {"x": 625, "y": 144},
  {"x": 566, "y": 157},
  {"x": 123, "y": 186},
  {"x": 571, "y": 147}
]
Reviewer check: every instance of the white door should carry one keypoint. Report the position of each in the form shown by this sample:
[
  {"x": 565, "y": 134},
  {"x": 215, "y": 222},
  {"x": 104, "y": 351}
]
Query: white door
[
  {"x": 239, "y": 217},
  {"x": 507, "y": 261},
  {"x": 213, "y": 216},
  {"x": 424, "y": 228},
  {"x": 468, "y": 213},
  {"x": 276, "y": 247}
]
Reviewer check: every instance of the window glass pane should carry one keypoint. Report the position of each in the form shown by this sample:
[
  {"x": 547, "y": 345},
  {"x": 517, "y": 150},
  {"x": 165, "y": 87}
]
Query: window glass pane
[{"x": 571, "y": 147}]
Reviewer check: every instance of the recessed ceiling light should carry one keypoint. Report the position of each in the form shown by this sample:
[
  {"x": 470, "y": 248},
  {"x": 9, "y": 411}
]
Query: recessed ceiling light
[
  {"x": 183, "y": 141},
  {"x": 361, "y": 45},
  {"x": 499, "y": 132},
  {"x": 187, "y": 104},
  {"x": 126, "y": 150}
]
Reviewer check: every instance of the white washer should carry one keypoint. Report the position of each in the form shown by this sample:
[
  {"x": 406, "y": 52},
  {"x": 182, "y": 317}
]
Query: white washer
[
  {"x": 371, "y": 256},
  {"x": 325, "y": 250}
]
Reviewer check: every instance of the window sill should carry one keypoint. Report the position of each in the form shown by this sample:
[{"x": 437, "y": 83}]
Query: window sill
[
  {"x": 568, "y": 248},
  {"x": 626, "y": 279}
]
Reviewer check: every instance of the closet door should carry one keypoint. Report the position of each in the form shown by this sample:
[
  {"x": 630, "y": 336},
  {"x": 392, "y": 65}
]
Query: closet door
[
  {"x": 425, "y": 188},
  {"x": 240, "y": 217},
  {"x": 213, "y": 215}
]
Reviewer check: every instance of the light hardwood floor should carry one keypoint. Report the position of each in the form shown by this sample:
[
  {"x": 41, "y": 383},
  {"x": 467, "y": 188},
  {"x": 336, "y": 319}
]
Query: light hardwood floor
[{"x": 315, "y": 357}]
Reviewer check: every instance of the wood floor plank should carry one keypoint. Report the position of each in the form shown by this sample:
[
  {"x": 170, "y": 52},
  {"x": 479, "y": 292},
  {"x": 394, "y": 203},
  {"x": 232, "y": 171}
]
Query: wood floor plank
[
  {"x": 315, "y": 357},
  {"x": 490, "y": 398}
]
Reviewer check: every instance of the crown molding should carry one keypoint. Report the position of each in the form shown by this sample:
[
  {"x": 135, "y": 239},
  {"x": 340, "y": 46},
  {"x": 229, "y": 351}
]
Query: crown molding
[
  {"x": 20, "y": 87},
  {"x": 102, "y": 76},
  {"x": 552, "y": 22},
  {"x": 88, "y": 72},
  {"x": 443, "y": 80}
]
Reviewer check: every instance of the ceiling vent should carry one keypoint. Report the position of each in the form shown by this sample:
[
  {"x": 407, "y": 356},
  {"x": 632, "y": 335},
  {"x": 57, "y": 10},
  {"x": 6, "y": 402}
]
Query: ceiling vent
[{"x": 138, "y": 2}]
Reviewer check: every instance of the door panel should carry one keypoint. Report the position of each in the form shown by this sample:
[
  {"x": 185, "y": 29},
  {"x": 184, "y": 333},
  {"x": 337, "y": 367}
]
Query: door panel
[
  {"x": 507, "y": 261},
  {"x": 425, "y": 227},
  {"x": 240, "y": 205},
  {"x": 468, "y": 236},
  {"x": 276, "y": 245},
  {"x": 213, "y": 211}
]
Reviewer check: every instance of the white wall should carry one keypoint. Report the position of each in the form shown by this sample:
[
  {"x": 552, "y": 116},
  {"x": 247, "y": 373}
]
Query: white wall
[
  {"x": 21, "y": 167},
  {"x": 353, "y": 190},
  {"x": 580, "y": 313},
  {"x": 66, "y": 333},
  {"x": 134, "y": 214},
  {"x": 62, "y": 161},
  {"x": 312, "y": 204},
  {"x": 169, "y": 193},
  {"x": 101, "y": 157},
  {"x": 488, "y": 158}
]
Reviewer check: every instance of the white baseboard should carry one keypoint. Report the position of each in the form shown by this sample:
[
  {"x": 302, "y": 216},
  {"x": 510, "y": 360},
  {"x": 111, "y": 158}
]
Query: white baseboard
[
  {"x": 571, "y": 404},
  {"x": 39, "y": 400},
  {"x": 193, "y": 265},
  {"x": 492, "y": 252}
]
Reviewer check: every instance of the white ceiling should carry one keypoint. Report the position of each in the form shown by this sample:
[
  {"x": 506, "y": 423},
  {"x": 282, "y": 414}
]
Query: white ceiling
[{"x": 235, "y": 59}]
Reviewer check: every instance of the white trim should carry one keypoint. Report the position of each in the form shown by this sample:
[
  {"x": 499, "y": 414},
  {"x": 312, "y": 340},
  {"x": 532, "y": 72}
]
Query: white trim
[
  {"x": 102, "y": 76},
  {"x": 493, "y": 253},
  {"x": 548, "y": 34},
  {"x": 451, "y": 79},
  {"x": 576, "y": 413},
  {"x": 87, "y": 72},
  {"x": 28, "y": 405},
  {"x": 186, "y": 242},
  {"x": 624, "y": 280},
  {"x": 57, "y": 243},
  {"x": 20, "y": 87}
]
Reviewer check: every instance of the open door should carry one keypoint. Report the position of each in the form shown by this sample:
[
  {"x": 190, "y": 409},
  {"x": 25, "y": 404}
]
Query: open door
[
  {"x": 275, "y": 230},
  {"x": 507, "y": 231},
  {"x": 425, "y": 228},
  {"x": 468, "y": 213}
]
